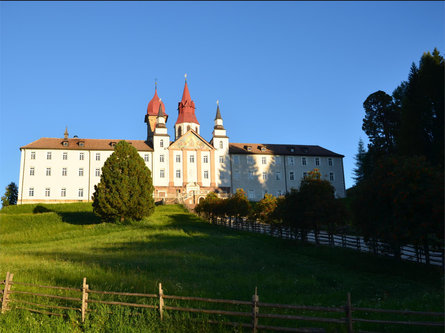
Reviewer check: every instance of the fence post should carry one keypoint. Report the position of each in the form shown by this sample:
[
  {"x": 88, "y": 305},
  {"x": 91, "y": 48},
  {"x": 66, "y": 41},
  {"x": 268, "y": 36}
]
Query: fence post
[
  {"x": 161, "y": 301},
  {"x": 5, "y": 299},
  {"x": 84, "y": 298},
  {"x": 349, "y": 314},
  {"x": 255, "y": 311}
]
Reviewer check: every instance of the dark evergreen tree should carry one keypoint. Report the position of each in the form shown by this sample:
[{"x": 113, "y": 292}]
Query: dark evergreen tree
[
  {"x": 11, "y": 195},
  {"x": 422, "y": 109},
  {"x": 125, "y": 190},
  {"x": 360, "y": 161}
]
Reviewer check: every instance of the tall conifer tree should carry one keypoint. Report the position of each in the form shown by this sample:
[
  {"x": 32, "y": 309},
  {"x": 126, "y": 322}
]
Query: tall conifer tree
[{"x": 125, "y": 190}]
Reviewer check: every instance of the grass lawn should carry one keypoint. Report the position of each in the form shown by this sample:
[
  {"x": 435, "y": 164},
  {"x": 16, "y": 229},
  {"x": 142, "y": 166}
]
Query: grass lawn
[{"x": 64, "y": 243}]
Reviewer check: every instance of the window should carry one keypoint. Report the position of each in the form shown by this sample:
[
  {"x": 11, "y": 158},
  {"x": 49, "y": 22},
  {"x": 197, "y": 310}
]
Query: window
[
  {"x": 303, "y": 161},
  {"x": 63, "y": 192},
  {"x": 317, "y": 161},
  {"x": 178, "y": 158},
  {"x": 221, "y": 159},
  {"x": 206, "y": 174},
  {"x": 178, "y": 173},
  {"x": 161, "y": 143},
  {"x": 81, "y": 156},
  {"x": 250, "y": 159},
  {"x": 33, "y": 155},
  {"x": 192, "y": 158},
  {"x": 31, "y": 191},
  {"x": 278, "y": 175},
  {"x": 65, "y": 143},
  {"x": 65, "y": 156},
  {"x": 161, "y": 158},
  {"x": 264, "y": 175},
  {"x": 48, "y": 155},
  {"x": 31, "y": 171},
  {"x": 82, "y": 143},
  {"x": 47, "y": 192},
  {"x": 48, "y": 171},
  {"x": 221, "y": 145},
  {"x": 146, "y": 157},
  {"x": 277, "y": 159},
  {"x": 236, "y": 159},
  {"x": 263, "y": 160},
  {"x": 205, "y": 159},
  {"x": 250, "y": 174},
  {"x": 330, "y": 161},
  {"x": 64, "y": 171},
  {"x": 162, "y": 173},
  {"x": 80, "y": 193},
  {"x": 251, "y": 194},
  {"x": 331, "y": 176},
  {"x": 291, "y": 160},
  {"x": 97, "y": 173},
  {"x": 80, "y": 172},
  {"x": 97, "y": 156},
  {"x": 291, "y": 175}
]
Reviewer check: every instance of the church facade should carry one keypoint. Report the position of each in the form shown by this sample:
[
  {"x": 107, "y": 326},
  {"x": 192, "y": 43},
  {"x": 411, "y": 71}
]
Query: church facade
[{"x": 184, "y": 169}]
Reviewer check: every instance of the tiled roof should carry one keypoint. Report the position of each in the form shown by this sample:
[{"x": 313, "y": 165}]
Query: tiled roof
[
  {"x": 277, "y": 149},
  {"x": 88, "y": 144},
  {"x": 153, "y": 105}
]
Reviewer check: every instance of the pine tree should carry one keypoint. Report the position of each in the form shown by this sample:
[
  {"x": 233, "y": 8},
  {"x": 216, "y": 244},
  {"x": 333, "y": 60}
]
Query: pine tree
[
  {"x": 359, "y": 172},
  {"x": 11, "y": 195},
  {"x": 125, "y": 190}
]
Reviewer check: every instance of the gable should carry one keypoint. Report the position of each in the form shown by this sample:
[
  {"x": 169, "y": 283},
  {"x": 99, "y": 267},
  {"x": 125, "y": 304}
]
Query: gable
[{"x": 191, "y": 140}]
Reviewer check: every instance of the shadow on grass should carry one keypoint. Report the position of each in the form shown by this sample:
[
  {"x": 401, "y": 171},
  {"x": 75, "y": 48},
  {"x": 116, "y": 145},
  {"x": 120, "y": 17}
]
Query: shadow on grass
[{"x": 77, "y": 218}]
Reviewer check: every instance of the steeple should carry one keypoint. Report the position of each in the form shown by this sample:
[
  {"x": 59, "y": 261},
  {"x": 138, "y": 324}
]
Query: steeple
[
  {"x": 160, "y": 120},
  {"x": 152, "y": 112},
  {"x": 186, "y": 113},
  {"x": 65, "y": 135},
  {"x": 218, "y": 114},
  {"x": 218, "y": 119}
]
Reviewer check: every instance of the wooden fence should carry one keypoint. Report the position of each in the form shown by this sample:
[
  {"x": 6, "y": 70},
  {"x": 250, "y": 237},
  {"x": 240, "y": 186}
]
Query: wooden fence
[
  {"x": 14, "y": 299},
  {"x": 408, "y": 252}
]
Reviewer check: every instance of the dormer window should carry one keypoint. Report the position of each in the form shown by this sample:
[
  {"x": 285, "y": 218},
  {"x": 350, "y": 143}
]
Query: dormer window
[
  {"x": 292, "y": 150},
  {"x": 263, "y": 148},
  {"x": 81, "y": 143},
  {"x": 112, "y": 143},
  {"x": 65, "y": 143},
  {"x": 249, "y": 148}
]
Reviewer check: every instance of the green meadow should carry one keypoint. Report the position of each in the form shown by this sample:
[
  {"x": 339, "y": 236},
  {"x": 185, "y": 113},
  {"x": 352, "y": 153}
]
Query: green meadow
[{"x": 60, "y": 244}]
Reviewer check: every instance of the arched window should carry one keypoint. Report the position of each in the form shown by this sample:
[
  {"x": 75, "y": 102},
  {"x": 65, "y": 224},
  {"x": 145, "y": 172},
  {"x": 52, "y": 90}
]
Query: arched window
[
  {"x": 188, "y": 128},
  {"x": 179, "y": 131},
  {"x": 161, "y": 143},
  {"x": 221, "y": 145}
]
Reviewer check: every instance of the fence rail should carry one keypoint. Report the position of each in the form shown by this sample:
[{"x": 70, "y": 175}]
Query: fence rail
[
  {"x": 408, "y": 252},
  {"x": 251, "y": 308}
]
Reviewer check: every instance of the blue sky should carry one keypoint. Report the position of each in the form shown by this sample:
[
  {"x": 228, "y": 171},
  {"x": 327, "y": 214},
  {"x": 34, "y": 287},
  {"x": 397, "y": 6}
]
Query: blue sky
[{"x": 284, "y": 72}]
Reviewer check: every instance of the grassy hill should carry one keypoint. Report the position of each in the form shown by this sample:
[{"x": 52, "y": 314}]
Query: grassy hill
[{"x": 61, "y": 244}]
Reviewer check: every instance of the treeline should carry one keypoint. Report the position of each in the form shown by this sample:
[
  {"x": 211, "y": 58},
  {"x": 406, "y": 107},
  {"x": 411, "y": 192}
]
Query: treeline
[
  {"x": 312, "y": 207},
  {"x": 398, "y": 197},
  {"x": 399, "y": 192}
]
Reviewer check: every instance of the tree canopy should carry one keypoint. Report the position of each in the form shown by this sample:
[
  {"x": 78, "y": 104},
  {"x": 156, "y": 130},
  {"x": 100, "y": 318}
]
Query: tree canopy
[{"x": 125, "y": 190}]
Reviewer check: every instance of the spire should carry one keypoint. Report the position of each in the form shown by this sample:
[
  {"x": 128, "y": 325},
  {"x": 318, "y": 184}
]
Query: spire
[
  {"x": 186, "y": 94},
  {"x": 65, "y": 135},
  {"x": 160, "y": 113},
  {"x": 155, "y": 102},
  {"x": 218, "y": 114},
  {"x": 186, "y": 107}
]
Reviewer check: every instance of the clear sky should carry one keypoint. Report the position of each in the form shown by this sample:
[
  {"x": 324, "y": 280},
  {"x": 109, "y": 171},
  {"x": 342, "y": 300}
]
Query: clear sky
[{"x": 284, "y": 72}]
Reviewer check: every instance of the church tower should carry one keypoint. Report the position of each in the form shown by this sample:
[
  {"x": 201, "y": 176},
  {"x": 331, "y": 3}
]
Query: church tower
[
  {"x": 186, "y": 114},
  {"x": 152, "y": 114}
]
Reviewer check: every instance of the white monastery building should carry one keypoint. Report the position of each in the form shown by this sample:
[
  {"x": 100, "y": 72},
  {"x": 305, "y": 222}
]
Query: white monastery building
[{"x": 184, "y": 169}]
